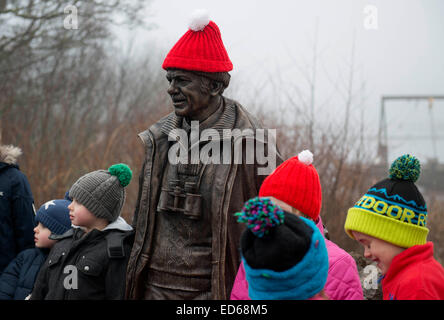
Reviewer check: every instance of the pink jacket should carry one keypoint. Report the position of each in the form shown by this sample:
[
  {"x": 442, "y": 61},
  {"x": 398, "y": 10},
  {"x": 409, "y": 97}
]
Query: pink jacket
[{"x": 342, "y": 282}]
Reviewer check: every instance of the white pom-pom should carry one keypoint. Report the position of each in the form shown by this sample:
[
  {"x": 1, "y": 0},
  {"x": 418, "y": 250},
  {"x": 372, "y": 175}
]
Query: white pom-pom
[
  {"x": 199, "y": 20},
  {"x": 306, "y": 157}
]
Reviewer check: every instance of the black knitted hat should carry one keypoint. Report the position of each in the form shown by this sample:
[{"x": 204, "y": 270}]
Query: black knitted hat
[{"x": 277, "y": 248}]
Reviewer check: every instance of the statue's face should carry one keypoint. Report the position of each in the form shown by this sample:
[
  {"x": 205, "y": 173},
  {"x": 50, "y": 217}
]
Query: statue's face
[{"x": 188, "y": 98}]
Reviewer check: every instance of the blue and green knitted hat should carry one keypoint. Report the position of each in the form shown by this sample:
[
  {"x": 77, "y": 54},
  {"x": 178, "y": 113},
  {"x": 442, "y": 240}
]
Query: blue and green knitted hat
[
  {"x": 284, "y": 256},
  {"x": 393, "y": 209}
]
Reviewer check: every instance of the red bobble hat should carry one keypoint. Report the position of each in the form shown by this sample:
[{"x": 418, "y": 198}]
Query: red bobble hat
[
  {"x": 200, "y": 48},
  {"x": 296, "y": 182}
]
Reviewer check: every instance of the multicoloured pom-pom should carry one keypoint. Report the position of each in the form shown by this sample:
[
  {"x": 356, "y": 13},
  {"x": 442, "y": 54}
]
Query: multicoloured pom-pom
[
  {"x": 406, "y": 167},
  {"x": 260, "y": 215}
]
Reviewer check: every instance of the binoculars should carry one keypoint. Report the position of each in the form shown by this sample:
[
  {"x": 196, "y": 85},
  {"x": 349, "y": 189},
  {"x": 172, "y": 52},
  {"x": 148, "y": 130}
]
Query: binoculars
[{"x": 176, "y": 199}]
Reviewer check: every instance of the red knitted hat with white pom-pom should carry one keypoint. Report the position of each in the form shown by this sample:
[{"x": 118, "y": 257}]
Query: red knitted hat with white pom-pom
[
  {"x": 296, "y": 182},
  {"x": 200, "y": 48}
]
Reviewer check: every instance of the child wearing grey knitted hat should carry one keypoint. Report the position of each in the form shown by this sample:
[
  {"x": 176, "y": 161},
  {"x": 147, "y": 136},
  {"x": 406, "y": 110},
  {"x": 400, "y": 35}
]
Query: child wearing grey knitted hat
[
  {"x": 98, "y": 197},
  {"x": 89, "y": 262}
]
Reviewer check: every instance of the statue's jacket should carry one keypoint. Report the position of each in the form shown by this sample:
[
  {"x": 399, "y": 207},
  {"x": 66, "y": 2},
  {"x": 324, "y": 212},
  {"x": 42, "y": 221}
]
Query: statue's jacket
[{"x": 233, "y": 184}]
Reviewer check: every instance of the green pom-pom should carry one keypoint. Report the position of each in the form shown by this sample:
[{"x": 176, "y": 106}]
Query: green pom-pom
[
  {"x": 406, "y": 167},
  {"x": 122, "y": 172}
]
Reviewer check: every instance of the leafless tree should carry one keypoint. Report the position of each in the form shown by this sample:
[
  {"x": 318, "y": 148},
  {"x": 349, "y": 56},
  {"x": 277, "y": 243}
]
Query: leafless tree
[
  {"x": 33, "y": 31},
  {"x": 69, "y": 99}
]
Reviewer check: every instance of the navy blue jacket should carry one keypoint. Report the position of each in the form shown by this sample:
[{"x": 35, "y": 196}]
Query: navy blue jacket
[
  {"x": 17, "y": 280},
  {"x": 16, "y": 213}
]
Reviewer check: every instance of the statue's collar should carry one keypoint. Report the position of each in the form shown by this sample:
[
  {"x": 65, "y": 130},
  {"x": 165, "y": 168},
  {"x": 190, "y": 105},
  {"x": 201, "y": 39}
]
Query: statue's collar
[{"x": 226, "y": 121}]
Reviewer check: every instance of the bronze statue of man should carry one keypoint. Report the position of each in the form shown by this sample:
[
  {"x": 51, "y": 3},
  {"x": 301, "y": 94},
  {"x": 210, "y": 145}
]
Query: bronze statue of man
[{"x": 187, "y": 240}]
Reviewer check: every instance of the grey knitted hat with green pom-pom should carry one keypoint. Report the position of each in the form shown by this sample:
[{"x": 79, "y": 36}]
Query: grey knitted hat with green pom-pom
[
  {"x": 102, "y": 192},
  {"x": 393, "y": 209}
]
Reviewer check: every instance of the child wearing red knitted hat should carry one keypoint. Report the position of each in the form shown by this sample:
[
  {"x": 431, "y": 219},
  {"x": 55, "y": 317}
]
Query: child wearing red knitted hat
[{"x": 296, "y": 188}]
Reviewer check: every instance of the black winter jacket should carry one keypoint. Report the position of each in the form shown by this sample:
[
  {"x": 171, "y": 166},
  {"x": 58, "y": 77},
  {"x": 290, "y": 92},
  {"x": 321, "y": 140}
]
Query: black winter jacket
[
  {"x": 86, "y": 266},
  {"x": 16, "y": 208}
]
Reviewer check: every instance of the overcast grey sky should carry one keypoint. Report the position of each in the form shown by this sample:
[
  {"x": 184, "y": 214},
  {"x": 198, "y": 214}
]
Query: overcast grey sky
[{"x": 273, "y": 41}]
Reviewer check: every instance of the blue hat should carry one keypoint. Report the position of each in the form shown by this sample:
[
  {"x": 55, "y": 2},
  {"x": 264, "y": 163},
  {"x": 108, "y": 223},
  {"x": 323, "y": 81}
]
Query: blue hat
[
  {"x": 54, "y": 215},
  {"x": 284, "y": 256},
  {"x": 67, "y": 197}
]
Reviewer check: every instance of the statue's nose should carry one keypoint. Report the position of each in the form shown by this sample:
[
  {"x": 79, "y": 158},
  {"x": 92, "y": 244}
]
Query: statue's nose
[{"x": 172, "y": 89}]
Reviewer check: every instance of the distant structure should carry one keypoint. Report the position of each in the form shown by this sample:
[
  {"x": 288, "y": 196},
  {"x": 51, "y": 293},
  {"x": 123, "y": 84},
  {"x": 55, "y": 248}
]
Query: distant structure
[
  {"x": 382, "y": 158},
  {"x": 433, "y": 173}
]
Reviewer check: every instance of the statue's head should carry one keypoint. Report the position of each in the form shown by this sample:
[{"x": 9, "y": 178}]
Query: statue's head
[
  {"x": 197, "y": 67},
  {"x": 192, "y": 92}
]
